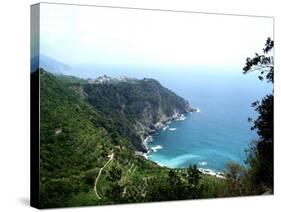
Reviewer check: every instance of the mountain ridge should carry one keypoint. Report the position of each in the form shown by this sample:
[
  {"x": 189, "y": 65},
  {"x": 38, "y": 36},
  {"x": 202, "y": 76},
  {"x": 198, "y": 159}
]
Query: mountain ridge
[
  {"x": 77, "y": 138},
  {"x": 138, "y": 107}
]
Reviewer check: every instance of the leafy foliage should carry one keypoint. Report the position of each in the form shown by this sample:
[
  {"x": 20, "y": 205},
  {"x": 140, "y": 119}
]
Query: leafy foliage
[
  {"x": 263, "y": 63},
  {"x": 81, "y": 125},
  {"x": 235, "y": 174},
  {"x": 260, "y": 156},
  {"x": 177, "y": 186},
  {"x": 74, "y": 142}
]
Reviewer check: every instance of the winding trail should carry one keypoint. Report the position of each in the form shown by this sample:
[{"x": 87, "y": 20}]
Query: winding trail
[{"x": 96, "y": 182}]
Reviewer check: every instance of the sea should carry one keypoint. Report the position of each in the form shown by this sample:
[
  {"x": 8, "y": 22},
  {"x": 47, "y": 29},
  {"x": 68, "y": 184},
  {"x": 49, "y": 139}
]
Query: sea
[{"x": 219, "y": 132}]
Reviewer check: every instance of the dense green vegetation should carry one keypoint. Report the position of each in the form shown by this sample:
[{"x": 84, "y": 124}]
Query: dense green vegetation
[
  {"x": 89, "y": 138},
  {"x": 76, "y": 140},
  {"x": 134, "y": 106},
  {"x": 260, "y": 155},
  {"x": 68, "y": 141}
]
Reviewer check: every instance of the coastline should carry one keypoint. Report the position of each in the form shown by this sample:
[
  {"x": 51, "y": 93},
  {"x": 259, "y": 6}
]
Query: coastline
[
  {"x": 204, "y": 171},
  {"x": 164, "y": 125},
  {"x": 218, "y": 174}
]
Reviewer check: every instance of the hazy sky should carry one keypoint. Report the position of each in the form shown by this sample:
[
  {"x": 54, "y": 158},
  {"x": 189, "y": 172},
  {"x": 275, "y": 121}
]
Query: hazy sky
[{"x": 78, "y": 35}]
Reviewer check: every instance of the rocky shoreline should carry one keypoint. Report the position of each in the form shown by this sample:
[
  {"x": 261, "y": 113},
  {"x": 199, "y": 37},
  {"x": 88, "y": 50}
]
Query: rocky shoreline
[
  {"x": 163, "y": 124},
  {"x": 217, "y": 174}
]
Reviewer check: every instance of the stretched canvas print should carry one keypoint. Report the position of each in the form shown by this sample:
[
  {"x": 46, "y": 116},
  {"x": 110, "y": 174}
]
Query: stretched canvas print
[{"x": 141, "y": 105}]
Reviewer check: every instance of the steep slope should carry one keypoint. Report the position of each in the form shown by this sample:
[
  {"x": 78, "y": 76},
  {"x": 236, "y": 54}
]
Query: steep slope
[
  {"x": 87, "y": 159},
  {"x": 137, "y": 107},
  {"x": 74, "y": 142}
]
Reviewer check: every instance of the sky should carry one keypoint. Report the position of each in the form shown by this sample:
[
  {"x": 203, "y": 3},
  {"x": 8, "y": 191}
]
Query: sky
[{"x": 81, "y": 35}]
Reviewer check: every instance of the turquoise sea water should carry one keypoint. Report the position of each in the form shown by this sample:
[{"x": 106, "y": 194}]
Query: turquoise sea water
[{"x": 220, "y": 132}]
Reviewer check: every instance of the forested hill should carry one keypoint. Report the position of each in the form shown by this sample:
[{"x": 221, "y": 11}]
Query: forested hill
[
  {"x": 77, "y": 138},
  {"x": 90, "y": 131},
  {"x": 75, "y": 143},
  {"x": 137, "y": 107}
]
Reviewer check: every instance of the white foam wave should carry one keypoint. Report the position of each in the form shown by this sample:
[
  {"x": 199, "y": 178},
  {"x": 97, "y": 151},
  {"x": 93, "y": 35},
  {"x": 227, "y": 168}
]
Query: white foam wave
[
  {"x": 176, "y": 162},
  {"x": 203, "y": 163},
  {"x": 181, "y": 118},
  {"x": 155, "y": 148},
  {"x": 145, "y": 155},
  {"x": 172, "y": 129},
  {"x": 212, "y": 173},
  {"x": 166, "y": 127},
  {"x": 148, "y": 139},
  {"x": 160, "y": 164}
]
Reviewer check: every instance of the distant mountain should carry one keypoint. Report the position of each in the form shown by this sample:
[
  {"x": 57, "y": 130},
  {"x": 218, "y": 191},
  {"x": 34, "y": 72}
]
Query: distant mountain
[{"x": 52, "y": 65}]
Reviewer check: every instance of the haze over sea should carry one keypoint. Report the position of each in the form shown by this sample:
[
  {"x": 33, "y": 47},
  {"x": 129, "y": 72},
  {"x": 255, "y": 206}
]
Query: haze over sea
[{"x": 220, "y": 132}]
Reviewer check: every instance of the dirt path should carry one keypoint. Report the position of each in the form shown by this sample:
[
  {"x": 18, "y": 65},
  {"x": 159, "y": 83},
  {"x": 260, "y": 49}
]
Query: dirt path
[{"x": 97, "y": 179}]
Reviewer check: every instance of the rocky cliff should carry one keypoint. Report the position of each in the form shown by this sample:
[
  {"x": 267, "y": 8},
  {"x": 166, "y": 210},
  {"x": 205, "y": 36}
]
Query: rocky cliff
[{"x": 136, "y": 107}]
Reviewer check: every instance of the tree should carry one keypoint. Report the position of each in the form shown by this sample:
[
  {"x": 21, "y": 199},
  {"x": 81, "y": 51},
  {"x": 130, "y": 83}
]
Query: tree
[
  {"x": 114, "y": 192},
  {"x": 263, "y": 63},
  {"x": 260, "y": 156},
  {"x": 235, "y": 173},
  {"x": 173, "y": 178},
  {"x": 194, "y": 188},
  {"x": 115, "y": 189},
  {"x": 194, "y": 175},
  {"x": 115, "y": 174},
  {"x": 177, "y": 186}
]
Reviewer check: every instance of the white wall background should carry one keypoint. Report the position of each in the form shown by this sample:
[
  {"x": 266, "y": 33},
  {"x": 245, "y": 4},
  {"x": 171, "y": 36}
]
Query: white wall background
[{"x": 14, "y": 104}]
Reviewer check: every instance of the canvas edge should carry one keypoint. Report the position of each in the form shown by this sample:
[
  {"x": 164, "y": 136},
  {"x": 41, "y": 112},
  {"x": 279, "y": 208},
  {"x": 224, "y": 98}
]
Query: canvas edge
[{"x": 34, "y": 106}]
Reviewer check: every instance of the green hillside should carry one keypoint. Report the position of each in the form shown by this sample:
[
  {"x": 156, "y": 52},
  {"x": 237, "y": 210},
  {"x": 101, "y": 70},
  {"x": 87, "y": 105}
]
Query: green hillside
[
  {"x": 75, "y": 143},
  {"x": 135, "y": 106},
  {"x": 86, "y": 158}
]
